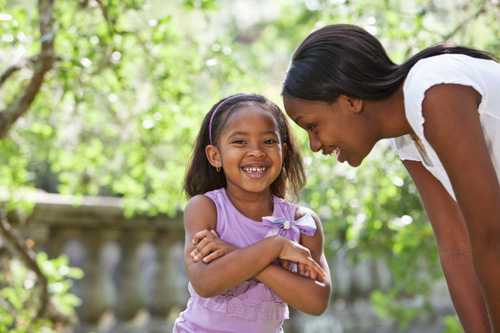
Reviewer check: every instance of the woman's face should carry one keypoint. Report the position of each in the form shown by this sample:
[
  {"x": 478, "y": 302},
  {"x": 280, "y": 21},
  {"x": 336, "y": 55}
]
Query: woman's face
[{"x": 338, "y": 128}]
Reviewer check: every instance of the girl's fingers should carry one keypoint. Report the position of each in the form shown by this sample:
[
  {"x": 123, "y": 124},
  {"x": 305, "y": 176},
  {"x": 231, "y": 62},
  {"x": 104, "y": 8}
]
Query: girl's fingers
[
  {"x": 202, "y": 234},
  {"x": 205, "y": 250},
  {"x": 302, "y": 269},
  {"x": 197, "y": 251},
  {"x": 204, "y": 242},
  {"x": 212, "y": 256},
  {"x": 317, "y": 268}
]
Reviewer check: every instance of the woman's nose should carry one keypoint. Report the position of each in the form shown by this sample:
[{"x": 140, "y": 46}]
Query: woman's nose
[{"x": 314, "y": 143}]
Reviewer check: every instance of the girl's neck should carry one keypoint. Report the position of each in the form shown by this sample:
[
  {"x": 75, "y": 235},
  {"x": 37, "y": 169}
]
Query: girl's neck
[{"x": 252, "y": 205}]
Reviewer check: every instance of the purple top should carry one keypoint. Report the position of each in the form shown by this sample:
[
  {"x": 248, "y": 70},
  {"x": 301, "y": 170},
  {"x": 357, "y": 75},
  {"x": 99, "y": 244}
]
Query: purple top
[{"x": 251, "y": 306}]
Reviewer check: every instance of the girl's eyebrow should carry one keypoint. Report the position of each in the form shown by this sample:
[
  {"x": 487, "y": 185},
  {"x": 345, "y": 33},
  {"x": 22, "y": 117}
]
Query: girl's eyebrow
[
  {"x": 238, "y": 133},
  {"x": 242, "y": 133}
]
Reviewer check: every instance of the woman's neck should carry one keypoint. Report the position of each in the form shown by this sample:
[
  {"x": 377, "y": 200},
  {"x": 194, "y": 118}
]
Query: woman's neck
[
  {"x": 390, "y": 115},
  {"x": 252, "y": 205}
]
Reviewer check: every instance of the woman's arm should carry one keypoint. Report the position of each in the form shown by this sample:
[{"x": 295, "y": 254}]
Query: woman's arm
[
  {"x": 454, "y": 249},
  {"x": 302, "y": 293},
  {"x": 453, "y": 129},
  {"x": 239, "y": 265}
]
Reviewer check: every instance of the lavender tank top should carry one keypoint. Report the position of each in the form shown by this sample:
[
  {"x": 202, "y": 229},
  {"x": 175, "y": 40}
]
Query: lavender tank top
[{"x": 251, "y": 306}]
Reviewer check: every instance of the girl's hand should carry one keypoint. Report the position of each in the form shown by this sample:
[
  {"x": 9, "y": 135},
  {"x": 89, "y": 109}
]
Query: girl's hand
[
  {"x": 207, "y": 246},
  {"x": 300, "y": 269},
  {"x": 308, "y": 267}
]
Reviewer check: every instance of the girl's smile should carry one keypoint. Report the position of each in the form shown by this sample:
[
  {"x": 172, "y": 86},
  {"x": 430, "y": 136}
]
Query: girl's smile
[{"x": 254, "y": 171}]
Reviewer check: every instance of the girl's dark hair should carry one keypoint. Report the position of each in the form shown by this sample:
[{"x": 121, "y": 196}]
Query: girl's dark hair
[
  {"x": 202, "y": 177},
  {"x": 346, "y": 59}
]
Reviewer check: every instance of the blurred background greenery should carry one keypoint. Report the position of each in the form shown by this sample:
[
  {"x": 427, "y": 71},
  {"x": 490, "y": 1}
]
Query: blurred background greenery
[{"x": 118, "y": 111}]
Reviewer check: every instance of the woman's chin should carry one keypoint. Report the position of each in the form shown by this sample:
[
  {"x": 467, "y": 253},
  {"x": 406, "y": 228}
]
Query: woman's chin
[{"x": 354, "y": 162}]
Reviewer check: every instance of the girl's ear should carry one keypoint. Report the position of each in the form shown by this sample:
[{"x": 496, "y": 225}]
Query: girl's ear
[
  {"x": 213, "y": 156},
  {"x": 351, "y": 104}
]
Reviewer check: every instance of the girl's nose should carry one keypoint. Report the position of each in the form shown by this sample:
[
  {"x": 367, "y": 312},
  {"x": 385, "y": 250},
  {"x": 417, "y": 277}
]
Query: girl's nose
[{"x": 256, "y": 151}]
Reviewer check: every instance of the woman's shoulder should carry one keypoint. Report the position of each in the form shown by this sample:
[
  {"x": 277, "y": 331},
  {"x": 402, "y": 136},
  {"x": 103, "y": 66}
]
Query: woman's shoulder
[
  {"x": 458, "y": 69},
  {"x": 446, "y": 68},
  {"x": 438, "y": 66}
]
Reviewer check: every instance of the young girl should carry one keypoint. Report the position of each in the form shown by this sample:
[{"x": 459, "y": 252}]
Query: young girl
[
  {"x": 442, "y": 107},
  {"x": 238, "y": 225}
]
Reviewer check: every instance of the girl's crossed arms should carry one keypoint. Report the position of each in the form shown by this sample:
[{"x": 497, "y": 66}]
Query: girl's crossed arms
[{"x": 308, "y": 290}]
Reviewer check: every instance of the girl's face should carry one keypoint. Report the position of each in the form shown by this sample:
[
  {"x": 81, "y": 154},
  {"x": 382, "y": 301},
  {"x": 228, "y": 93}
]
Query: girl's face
[
  {"x": 339, "y": 127},
  {"x": 249, "y": 150}
]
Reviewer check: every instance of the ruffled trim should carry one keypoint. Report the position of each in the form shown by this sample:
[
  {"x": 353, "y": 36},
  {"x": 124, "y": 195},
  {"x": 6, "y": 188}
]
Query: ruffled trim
[{"x": 251, "y": 300}]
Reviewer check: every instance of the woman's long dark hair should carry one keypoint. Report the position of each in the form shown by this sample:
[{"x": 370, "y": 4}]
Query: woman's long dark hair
[
  {"x": 348, "y": 60},
  {"x": 202, "y": 177}
]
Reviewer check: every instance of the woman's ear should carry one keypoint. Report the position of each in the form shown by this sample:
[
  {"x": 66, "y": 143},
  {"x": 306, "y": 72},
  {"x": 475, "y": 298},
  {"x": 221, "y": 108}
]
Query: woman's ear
[
  {"x": 213, "y": 156},
  {"x": 351, "y": 104}
]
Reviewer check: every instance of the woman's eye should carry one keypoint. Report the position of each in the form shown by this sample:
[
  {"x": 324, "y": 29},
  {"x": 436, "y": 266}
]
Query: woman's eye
[
  {"x": 311, "y": 127},
  {"x": 271, "y": 141}
]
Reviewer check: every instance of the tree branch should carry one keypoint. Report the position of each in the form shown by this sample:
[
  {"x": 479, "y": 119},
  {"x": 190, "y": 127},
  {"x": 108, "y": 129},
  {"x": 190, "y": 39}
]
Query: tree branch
[
  {"x": 28, "y": 257},
  {"x": 42, "y": 65},
  {"x": 8, "y": 72},
  {"x": 461, "y": 25}
]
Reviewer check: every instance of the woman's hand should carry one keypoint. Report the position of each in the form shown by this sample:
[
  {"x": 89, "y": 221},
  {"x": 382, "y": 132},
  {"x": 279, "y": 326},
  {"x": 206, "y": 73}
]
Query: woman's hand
[
  {"x": 207, "y": 246},
  {"x": 307, "y": 266}
]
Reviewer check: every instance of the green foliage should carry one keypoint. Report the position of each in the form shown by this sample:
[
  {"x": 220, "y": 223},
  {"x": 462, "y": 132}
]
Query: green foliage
[
  {"x": 452, "y": 325},
  {"x": 119, "y": 112},
  {"x": 20, "y": 295}
]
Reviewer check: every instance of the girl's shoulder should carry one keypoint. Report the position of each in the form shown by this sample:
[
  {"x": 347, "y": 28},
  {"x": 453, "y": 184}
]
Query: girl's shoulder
[
  {"x": 302, "y": 211},
  {"x": 200, "y": 209},
  {"x": 297, "y": 210},
  {"x": 215, "y": 195}
]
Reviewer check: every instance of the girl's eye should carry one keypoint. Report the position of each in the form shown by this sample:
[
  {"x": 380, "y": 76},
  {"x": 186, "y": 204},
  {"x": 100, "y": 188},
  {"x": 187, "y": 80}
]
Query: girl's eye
[{"x": 239, "y": 142}]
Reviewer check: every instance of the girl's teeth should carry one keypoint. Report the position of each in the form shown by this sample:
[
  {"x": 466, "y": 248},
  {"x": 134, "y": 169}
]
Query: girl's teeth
[{"x": 254, "y": 169}]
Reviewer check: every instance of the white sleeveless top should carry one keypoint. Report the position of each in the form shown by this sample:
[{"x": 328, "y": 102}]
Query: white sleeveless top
[{"x": 482, "y": 75}]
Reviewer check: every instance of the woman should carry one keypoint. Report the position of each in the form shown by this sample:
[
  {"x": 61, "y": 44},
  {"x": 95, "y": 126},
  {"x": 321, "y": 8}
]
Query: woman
[{"x": 442, "y": 107}]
